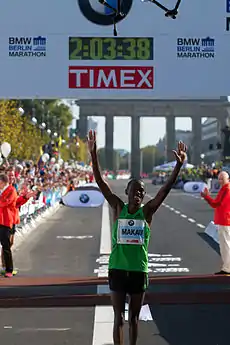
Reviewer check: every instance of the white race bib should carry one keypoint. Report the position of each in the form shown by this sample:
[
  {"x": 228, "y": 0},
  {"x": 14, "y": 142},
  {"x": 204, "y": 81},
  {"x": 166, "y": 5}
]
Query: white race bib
[{"x": 131, "y": 231}]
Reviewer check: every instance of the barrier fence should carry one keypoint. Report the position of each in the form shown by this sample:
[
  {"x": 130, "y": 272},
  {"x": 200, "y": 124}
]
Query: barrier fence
[{"x": 32, "y": 208}]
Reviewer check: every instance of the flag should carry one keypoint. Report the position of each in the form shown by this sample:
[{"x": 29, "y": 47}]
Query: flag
[{"x": 60, "y": 141}]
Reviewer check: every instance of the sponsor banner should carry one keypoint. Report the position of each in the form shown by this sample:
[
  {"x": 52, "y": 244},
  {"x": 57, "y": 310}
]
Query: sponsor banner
[
  {"x": 27, "y": 46},
  {"x": 201, "y": 48},
  {"x": 228, "y": 6},
  {"x": 83, "y": 198},
  {"x": 111, "y": 77},
  {"x": 194, "y": 187},
  {"x": 215, "y": 186}
]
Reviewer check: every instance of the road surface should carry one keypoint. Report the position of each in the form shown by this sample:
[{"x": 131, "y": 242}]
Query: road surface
[{"x": 75, "y": 242}]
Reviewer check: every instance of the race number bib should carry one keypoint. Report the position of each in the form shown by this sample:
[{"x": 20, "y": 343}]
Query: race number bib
[{"x": 131, "y": 231}]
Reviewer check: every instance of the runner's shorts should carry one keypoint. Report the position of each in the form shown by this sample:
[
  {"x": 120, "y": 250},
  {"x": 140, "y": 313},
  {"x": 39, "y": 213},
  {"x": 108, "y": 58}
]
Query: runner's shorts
[{"x": 130, "y": 282}]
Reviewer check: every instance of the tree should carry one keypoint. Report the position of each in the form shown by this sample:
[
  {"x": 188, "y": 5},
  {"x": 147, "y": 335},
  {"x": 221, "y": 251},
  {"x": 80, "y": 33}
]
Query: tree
[
  {"x": 10, "y": 126},
  {"x": 55, "y": 114},
  {"x": 150, "y": 158},
  {"x": 60, "y": 117},
  {"x": 101, "y": 157},
  {"x": 149, "y": 155},
  {"x": 76, "y": 149},
  {"x": 32, "y": 141},
  {"x": 24, "y": 138}
]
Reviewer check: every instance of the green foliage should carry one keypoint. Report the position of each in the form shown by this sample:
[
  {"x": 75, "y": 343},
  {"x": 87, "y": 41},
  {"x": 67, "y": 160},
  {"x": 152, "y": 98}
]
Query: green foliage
[
  {"x": 150, "y": 158},
  {"x": 25, "y": 139},
  {"x": 76, "y": 150},
  {"x": 56, "y": 115}
]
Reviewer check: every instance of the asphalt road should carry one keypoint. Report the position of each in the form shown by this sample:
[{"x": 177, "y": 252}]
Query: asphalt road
[{"x": 178, "y": 246}]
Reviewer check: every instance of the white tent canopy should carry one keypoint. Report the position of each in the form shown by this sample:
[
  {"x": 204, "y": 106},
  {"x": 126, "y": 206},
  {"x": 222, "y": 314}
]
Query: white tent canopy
[{"x": 171, "y": 165}]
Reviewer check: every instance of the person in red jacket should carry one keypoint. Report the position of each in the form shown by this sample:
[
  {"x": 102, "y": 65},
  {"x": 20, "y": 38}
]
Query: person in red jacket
[
  {"x": 21, "y": 200},
  {"x": 8, "y": 200},
  {"x": 221, "y": 205}
]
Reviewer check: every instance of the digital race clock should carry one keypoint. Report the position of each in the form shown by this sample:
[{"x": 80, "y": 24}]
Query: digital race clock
[{"x": 110, "y": 48}]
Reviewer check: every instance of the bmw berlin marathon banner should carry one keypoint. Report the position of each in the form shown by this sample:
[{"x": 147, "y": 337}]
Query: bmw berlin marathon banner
[{"x": 71, "y": 51}]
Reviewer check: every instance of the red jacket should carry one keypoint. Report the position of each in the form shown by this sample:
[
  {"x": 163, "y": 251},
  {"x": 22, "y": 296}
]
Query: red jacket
[
  {"x": 8, "y": 200},
  {"x": 21, "y": 200},
  {"x": 221, "y": 204}
]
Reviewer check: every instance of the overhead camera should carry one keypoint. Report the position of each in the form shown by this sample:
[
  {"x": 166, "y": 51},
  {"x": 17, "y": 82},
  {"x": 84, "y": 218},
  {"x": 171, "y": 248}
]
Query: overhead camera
[
  {"x": 117, "y": 14},
  {"x": 168, "y": 13}
]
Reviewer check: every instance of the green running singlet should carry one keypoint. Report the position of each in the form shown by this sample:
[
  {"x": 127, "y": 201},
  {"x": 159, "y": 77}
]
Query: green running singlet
[{"x": 130, "y": 240}]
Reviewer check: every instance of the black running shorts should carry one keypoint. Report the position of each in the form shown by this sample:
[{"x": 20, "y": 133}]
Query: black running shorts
[{"x": 130, "y": 282}]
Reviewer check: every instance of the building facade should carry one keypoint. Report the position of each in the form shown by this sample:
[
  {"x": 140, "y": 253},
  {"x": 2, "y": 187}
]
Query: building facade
[
  {"x": 210, "y": 140},
  {"x": 185, "y": 136}
]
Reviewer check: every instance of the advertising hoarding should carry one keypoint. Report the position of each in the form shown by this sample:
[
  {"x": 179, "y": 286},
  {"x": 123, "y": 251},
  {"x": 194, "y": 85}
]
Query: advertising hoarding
[{"x": 71, "y": 51}]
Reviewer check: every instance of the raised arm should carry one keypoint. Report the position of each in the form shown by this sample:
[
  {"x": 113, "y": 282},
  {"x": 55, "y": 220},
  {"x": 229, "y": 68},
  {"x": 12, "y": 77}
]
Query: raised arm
[
  {"x": 113, "y": 200},
  {"x": 151, "y": 206},
  {"x": 214, "y": 203}
]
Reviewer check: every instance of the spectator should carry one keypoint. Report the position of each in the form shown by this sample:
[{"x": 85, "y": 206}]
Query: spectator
[
  {"x": 221, "y": 204},
  {"x": 8, "y": 200}
]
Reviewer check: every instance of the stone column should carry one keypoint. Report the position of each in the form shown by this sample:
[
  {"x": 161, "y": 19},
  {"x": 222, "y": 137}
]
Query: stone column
[
  {"x": 135, "y": 147},
  {"x": 82, "y": 126},
  {"x": 109, "y": 129},
  {"x": 196, "y": 142},
  {"x": 170, "y": 137}
]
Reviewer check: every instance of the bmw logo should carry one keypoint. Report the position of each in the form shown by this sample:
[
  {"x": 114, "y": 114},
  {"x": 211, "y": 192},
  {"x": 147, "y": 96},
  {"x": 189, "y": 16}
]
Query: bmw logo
[
  {"x": 99, "y": 14},
  {"x": 195, "y": 187},
  {"x": 131, "y": 222},
  {"x": 84, "y": 198}
]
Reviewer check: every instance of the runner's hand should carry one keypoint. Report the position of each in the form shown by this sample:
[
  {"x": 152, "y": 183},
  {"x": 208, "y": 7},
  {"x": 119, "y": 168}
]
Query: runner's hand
[
  {"x": 180, "y": 154},
  {"x": 91, "y": 141}
]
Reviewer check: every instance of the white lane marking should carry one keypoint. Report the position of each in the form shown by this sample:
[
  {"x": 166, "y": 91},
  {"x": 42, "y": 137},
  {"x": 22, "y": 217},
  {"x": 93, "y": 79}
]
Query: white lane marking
[
  {"x": 74, "y": 237},
  {"x": 191, "y": 220},
  {"x": 103, "y": 319},
  {"x": 200, "y": 226},
  {"x": 155, "y": 263},
  {"x": 105, "y": 245}
]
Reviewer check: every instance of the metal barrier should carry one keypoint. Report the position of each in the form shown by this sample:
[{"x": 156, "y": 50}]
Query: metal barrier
[{"x": 33, "y": 208}]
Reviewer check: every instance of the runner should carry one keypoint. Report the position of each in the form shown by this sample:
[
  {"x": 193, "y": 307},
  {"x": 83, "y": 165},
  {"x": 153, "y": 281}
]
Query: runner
[{"x": 128, "y": 263}]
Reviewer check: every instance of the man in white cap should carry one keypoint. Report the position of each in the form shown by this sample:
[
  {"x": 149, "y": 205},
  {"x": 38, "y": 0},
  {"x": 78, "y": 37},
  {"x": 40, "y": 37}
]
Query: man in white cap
[{"x": 221, "y": 205}]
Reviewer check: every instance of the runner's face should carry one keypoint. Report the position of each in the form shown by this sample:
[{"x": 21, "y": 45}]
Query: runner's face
[{"x": 136, "y": 193}]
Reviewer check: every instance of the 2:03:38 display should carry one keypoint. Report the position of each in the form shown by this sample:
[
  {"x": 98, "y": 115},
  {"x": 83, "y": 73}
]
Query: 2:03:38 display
[{"x": 109, "y": 48}]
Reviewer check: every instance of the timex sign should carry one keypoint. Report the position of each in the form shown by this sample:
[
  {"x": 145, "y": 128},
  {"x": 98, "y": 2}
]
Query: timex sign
[
  {"x": 227, "y": 23},
  {"x": 107, "y": 77}
]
